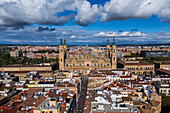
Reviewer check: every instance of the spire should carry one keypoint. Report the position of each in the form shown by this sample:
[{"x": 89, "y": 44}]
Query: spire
[
  {"x": 113, "y": 41},
  {"x": 107, "y": 41},
  {"x": 61, "y": 42},
  {"x": 64, "y": 42},
  {"x": 87, "y": 47}
]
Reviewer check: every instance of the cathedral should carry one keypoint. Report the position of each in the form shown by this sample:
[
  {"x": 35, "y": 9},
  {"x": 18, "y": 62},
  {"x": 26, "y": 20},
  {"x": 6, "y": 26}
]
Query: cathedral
[{"x": 85, "y": 59}]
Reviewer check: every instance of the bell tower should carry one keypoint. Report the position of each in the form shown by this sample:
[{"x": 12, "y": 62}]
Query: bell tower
[
  {"x": 61, "y": 55},
  {"x": 108, "y": 49},
  {"x": 114, "y": 55},
  {"x": 65, "y": 46}
]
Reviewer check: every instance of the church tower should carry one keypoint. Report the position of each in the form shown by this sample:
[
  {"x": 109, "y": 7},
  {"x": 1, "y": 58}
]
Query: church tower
[
  {"x": 65, "y": 46},
  {"x": 108, "y": 49},
  {"x": 61, "y": 55},
  {"x": 114, "y": 55}
]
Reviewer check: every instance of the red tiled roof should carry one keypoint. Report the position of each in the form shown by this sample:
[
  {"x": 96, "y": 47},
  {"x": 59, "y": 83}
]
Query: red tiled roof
[{"x": 125, "y": 76}]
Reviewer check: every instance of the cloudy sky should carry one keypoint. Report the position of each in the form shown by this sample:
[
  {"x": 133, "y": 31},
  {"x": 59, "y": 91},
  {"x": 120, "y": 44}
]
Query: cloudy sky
[{"x": 84, "y": 21}]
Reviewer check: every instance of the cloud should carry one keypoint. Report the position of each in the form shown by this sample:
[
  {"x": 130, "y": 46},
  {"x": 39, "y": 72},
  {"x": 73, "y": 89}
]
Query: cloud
[
  {"x": 65, "y": 33},
  {"x": 103, "y": 34},
  {"x": 87, "y": 13},
  {"x": 73, "y": 36},
  {"x": 132, "y": 34},
  {"x": 42, "y": 28},
  {"x": 31, "y": 36},
  {"x": 133, "y": 9},
  {"x": 23, "y": 12},
  {"x": 26, "y": 12},
  {"x": 120, "y": 34}
]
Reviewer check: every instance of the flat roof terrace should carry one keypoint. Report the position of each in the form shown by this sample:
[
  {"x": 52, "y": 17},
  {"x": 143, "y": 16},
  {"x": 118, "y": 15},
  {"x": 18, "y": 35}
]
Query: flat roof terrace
[{"x": 135, "y": 63}]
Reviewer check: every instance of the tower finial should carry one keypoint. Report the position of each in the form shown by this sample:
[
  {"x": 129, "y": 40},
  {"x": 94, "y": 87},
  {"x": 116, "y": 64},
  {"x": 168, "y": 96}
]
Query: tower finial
[
  {"x": 64, "y": 42},
  {"x": 107, "y": 41},
  {"x": 61, "y": 41},
  {"x": 113, "y": 41}
]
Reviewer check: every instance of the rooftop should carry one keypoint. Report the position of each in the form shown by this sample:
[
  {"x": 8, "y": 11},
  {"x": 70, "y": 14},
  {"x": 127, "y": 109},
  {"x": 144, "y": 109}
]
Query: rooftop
[{"x": 135, "y": 62}]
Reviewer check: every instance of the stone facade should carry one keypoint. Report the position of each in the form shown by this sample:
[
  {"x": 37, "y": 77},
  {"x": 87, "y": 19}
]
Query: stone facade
[
  {"x": 87, "y": 60},
  {"x": 138, "y": 67}
]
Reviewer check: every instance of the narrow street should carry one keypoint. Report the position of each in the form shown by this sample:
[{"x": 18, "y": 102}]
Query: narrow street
[{"x": 82, "y": 96}]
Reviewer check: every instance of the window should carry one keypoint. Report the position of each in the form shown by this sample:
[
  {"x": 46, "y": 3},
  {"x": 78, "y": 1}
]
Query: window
[
  {"x": 107, "y": 64},
  {"x": 43, "y": 112},
  {"x": 51, "y": 112},
  {"x": 73, "y": 65},
  {"x": 61, "y": 60},
  {"x": 95, "y": 65},
  {"x": 80, "y": 65},
  {"x": 67, "y": 65},
  {"x": 87, "y": 64}
]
